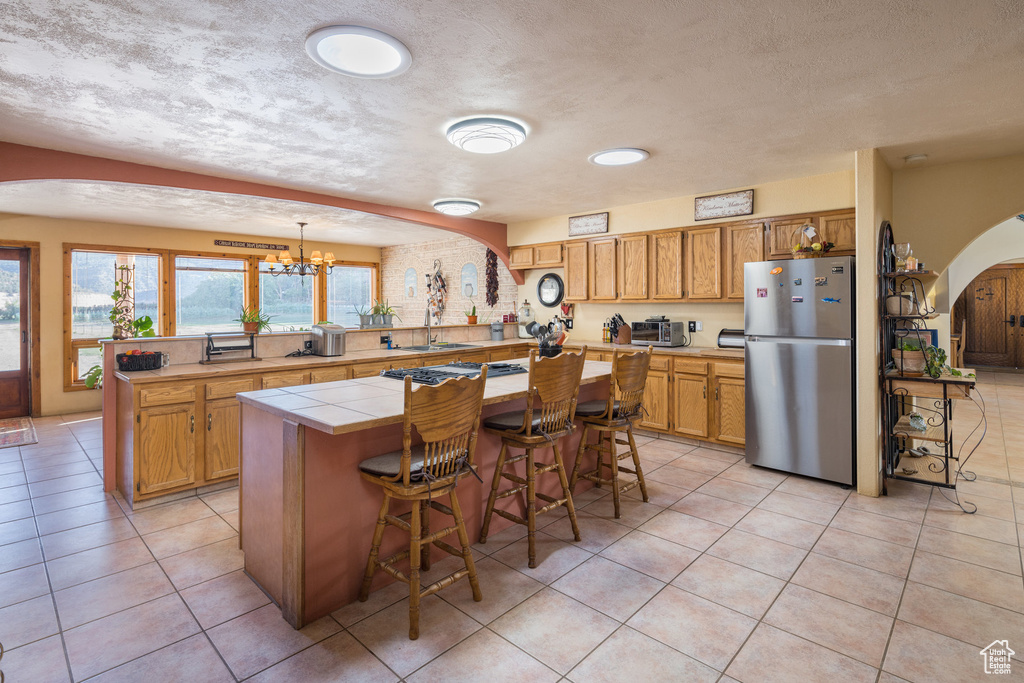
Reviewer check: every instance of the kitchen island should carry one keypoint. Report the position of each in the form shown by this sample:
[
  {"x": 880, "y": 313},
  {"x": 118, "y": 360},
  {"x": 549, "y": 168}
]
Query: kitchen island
[{"x": 307, "y": 517}]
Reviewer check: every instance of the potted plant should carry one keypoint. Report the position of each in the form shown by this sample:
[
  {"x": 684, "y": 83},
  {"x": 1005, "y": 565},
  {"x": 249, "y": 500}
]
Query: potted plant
[
  {"x": 383, "y": 314},
  {"x": 253, "y": 319},
  {"x": 365, "y": 319},
  {"x": 909, "y": 357},
  {"x": 471, "y": 315}
]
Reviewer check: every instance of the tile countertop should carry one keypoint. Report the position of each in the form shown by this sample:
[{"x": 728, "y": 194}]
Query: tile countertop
[{"x": 354, "y": 404}]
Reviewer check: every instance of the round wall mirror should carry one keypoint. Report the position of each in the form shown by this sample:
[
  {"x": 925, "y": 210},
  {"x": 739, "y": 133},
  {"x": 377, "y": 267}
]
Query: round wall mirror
[{"x": 550, "y": 290}]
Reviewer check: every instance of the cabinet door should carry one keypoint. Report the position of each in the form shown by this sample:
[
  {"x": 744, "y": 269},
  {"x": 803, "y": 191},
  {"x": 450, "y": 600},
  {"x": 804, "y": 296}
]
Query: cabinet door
[
  {"x": 520, "y": 257},
  {"x": 368, "y": 369},
  {"x": 656, "y": 401},
  {"x": 743, "y": 244},
  {"x": 473, "y": 357},
  {"x": 730, "y": 410},
  {"x": 577, "y": 264},
  {"x": 547, "y": 255},
  {"x": 667, "y": 265},
  {"x": 328, "y": 375},
  {"x": 167, "y": 447},
  {"x": 840, "y": 229},
  {"x": 222, "y": 422},
  {"x": 704, "y": 263},
  {"x": 603, "y": 273},
  {"x": 500, "y": 355},
  {"x": 691, "y": 405},
  {"x": 277, "y": 380},
  {"x": 784, "y": 234},
  {"x": 633, "y": 265}
]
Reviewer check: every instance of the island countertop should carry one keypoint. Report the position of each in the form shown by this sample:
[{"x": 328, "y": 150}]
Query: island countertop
[{"x": 355, "y": 404}]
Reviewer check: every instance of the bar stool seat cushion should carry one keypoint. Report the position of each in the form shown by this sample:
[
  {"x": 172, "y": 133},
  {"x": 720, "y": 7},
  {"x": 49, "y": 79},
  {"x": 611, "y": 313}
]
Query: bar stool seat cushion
[
  {"x": 390, "y": 464},
  {"x": 512, "y": 421},
  {"x": 595, "y": 408}
]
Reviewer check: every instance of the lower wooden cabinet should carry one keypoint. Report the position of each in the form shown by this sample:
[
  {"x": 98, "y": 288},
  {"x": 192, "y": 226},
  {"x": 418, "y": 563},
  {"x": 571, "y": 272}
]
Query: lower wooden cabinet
[
  {"x": 222, "y": 438},
  {"x": 730, "y": 413},
  {"x": 656, "y": 400},
  {"x": 166, "y": 444},
  {"x": 690, "y": 405},
  {"x": 276, "y": 380}
]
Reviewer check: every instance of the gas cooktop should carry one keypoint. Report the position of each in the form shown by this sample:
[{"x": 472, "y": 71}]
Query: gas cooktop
[{"x": 435, "y": 374}]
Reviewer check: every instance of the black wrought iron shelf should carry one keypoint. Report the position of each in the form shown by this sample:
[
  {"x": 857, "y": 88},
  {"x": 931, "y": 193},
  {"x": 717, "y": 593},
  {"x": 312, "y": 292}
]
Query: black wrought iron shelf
[
  {"x": 930, "y": 316},
  {"x": 911, "y": 273}
]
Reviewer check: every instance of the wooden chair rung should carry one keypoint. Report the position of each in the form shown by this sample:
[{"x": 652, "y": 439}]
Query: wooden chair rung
[
  {"x": 450, "y": 549},
  {"x": 402, "y": 524},
  {"x": 514, "y": 477},
  {"x": 551, "y": 506},
  {"x": 546, "y": 497},
  {"x": 509, "y": 515},
  {"x": 394, "y": 572},
  {"x": 514, "y": 459},
  {"x": 397, "y": 557},
  {"x": 542, "y": 468},
  {"x": 437, "y": 535},
  {"x": 511, "y": 492},
  {"x": 443, "y": 582},
  {"x": 441, "y": 507}
]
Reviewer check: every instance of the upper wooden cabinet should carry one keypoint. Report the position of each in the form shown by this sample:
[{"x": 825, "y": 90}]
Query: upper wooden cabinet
[
  {"x": 666, "y": 268},
  {"x": 743, "y": 244},
  {"x": 704, "y": 263},
  {"x": 784, "y": 234},
  {"x": 633, "y": 266},
  {"x": 535, "y": 256},
  {"x": 603, "y": 276},
  {"x": 838, "y": 227},
  {"x": 841, "y": 229},
  {"x": 520, "y": 257},
  {"x": 577, "y": 265}
]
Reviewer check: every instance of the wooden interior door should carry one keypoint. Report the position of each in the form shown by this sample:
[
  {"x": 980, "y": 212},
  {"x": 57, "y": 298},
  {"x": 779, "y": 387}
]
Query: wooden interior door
[
  {"x": 15, "y": 395},
  {"x": 989, "y": 301}
]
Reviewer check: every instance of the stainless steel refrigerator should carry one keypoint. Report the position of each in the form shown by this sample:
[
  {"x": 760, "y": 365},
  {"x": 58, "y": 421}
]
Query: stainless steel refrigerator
[{"x": 799, "y": 362}]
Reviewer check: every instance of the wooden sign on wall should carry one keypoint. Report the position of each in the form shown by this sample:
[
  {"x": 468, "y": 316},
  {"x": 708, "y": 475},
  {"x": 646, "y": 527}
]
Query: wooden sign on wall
[
  {"x": 591, "y": 224},
  {"x": 723, "y": 205},
  {"x": 251, "y": 245}
]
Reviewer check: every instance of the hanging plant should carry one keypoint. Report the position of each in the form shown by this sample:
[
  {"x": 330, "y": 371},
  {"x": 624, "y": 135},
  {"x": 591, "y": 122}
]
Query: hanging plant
[{"x": 491, "y": 276}]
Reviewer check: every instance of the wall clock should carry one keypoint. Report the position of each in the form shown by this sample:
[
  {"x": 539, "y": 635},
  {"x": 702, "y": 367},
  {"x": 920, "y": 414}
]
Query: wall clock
[{"x": 550, "y": 290}]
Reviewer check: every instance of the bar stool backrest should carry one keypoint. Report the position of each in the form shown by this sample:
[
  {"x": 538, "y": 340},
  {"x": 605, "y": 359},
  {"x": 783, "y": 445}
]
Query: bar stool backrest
[
  {"x": 629, "y": 377},
  {"x": 555, "y": 383},
  {"x": 447, "y": 418}
]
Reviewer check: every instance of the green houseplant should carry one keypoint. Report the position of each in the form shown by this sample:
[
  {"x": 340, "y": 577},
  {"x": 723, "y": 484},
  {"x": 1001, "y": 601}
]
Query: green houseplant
[
  {"x": 471, "y": 315},
  {"x": 253, "y": 319},
  {"x": 383, "y": 313}
]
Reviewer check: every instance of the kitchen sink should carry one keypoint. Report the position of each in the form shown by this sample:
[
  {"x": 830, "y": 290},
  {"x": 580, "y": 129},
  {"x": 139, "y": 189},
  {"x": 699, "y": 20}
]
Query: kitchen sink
[{"x": 438, "y": 347}]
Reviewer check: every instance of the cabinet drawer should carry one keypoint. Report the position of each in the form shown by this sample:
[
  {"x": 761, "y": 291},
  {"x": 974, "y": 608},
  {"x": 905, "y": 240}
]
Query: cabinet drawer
[
  {"x": 660, "y": 363},
  {"x": 691, "y": 367},
  {"x": 227, "y": 389},
  {"x": 729, "y": 370},
  {"x": 328, "y": 375},
  {"x": 501, "y": 354},
  {"x": 368, "y": 369},
  {"x": 162, "y": 396},
  {"x": 285, "y": 379}
]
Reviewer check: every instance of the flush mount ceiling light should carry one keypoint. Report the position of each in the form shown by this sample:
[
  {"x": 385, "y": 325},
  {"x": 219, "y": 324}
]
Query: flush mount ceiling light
[
  {"x": 358, "y": 51},
  {"x": 486, "y": 134},
  {"x": 618, "y": 157},
  {"x": 915, "y": 158},
  {"x": 456, "y": 207}
]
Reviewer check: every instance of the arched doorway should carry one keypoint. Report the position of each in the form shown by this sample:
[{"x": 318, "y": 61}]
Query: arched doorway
[{"x": 989, "y": 311}]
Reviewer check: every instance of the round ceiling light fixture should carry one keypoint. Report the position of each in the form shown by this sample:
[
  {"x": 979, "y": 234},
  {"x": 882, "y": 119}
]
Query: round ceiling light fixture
[
  {"x": 915, "y": 158},
  {"x": 620, "y": 156},
  {"x": 456, "y": 207},
  {"x": 358, "y": 51},
  {"x": 486, "y": 134}
]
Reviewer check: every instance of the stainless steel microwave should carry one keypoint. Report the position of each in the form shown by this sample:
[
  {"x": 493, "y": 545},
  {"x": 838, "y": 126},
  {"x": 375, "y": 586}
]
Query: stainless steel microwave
[{"x": 664, "y": 333}]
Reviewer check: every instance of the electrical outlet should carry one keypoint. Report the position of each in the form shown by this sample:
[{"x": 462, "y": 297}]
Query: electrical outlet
[
  {"x": 384, "y": 338},
  {"x": 692, "y": 326},
  {"x": 700, "y": 326},
  {"x": 308, "y": 345},
  {"x": 568, "y": 323}
]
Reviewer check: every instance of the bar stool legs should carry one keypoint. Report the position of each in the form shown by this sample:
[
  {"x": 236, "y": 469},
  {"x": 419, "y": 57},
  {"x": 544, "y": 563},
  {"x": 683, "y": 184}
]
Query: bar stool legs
[{"x": 607, "y": 443}]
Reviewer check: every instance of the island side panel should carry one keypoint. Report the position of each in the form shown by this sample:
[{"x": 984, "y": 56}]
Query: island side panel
[{"x": 262, "y": 493}]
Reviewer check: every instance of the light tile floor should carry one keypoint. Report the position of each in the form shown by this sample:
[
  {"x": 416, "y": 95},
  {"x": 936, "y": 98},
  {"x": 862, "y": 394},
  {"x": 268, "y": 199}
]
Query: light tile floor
[{"x": 729, "y": 573}]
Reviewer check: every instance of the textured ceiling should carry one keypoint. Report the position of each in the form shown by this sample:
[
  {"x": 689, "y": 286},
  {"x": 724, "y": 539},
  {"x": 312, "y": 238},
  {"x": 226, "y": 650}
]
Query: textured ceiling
[{"x": 723, "y": 93}]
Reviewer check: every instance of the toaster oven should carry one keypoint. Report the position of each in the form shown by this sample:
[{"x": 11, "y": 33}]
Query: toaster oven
[{"x": 658, "y": 333}]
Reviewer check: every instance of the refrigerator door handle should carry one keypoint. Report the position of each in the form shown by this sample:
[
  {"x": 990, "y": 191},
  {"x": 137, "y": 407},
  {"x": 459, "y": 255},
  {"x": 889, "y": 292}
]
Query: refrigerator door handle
[{"x": 800, "y": 340}]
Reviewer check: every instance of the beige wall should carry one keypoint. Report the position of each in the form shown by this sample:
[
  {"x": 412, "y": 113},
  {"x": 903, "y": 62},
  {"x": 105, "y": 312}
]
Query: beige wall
[
  {"x": 51, "y": 233},
  {"x": 874, "y": 205}
]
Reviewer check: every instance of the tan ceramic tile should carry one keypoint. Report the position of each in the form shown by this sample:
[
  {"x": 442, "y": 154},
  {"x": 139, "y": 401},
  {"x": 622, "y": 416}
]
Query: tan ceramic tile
[
  {"x": 853, "y": 631},
  {"x": 971, "y": 549},
  {"x": 774, "y": 655},
  {"x": 222, "y": 501},
  {"x": 188, "y": 536},
  {"x": 70, "y": 499},
  {"x": 18, "y": 530},
  {"x": 497, "y": 540},
  {"x": 202, "y": 564},
  {"x": 27, "y": 621},
  {"x": 650, "y": 555},
  {"x": 632, "y": 511},
  {"x": 692, "y": 532},
  {"x": 338, "y": 658},
  {"x": 192, "y": 659},
  {"x": 701, "y": 629},
  {"x": 760, "y": 554},
  {"x": 826, "y": 492},
  {"x": 86, "y": 537},
  {"x": 10, "y": 512},
  {"x": 51, "y": 486},
  {"x": 738, "y": 588},
  {"x": 877, "y": 526},
  {"x": 907, "y": 509},
  {"x": 713, "y": 509},
  {"x": 92, "y": 564},
  {"x": 658, "y": 493},
  {"x": 170, "y": 515},
  {"x": 63, "y": 520},
  {"x": 484, "y": 656},
  {"x": 386, "y": 633},
  {"x": 503, "y": 588},
  {"x": 678, "y": 476},
  {"x": 608, "y": 587},
  {"x": 262, "y": 638},
  {"x": 39, "y": 662},
  {"x": 969, "y": 580},
  {"x": 121, "y": 637},
  {"x": 917, "y": 654},
  {"x": 233, "y": 518},
  {"x": 96, "y": 599},
  {"x": 850, "y": 582},
  {"x": 378, "y": 600},
  {"x": 865, "y": 551},
  {"x": 23, "y": 584},
  {"x": 21, "y": 554},
  {"x": 698, "y": 463},
  {"x": 783, "y": 528},
  {"x": 554, "y": 557},
  {"x": 57, "y": 471},
  {"x": 982, "y": 527},
  {"x": 10, "y": 494},
  {"x": 808, "y": 509},
  {"x": 958, "y": 617},
  {"x": 736, "y": 491},
  {"x": 223, "y": 598},
  {"x": 630, "y": 655},
  {"x": 554, "y": 629},
  {"x": 596, "y": 533}
]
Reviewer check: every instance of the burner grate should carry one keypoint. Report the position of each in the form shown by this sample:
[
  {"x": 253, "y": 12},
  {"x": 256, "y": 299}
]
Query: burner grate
[{"x": 435, "y": 374}]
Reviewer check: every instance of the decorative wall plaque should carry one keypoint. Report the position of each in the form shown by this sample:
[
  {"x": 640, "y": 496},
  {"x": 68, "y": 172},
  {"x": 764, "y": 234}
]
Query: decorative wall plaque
[
  {"x": 723, "y": 205},
  {"x": 251, "y": 245},
  {"x": 591, "y": 224}
]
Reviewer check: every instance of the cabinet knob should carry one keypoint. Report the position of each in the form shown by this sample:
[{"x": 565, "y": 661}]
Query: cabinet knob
[{"x": 209, "y": 421}]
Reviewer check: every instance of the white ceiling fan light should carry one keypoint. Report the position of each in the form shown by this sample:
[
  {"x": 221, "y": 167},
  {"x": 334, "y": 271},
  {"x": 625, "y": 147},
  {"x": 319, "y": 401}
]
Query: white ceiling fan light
[
  {"x": 620, "y": 156},
  {"x": 486, "y": 134},
  {"x": 358, "y": 51},
  {"x": 456, "y": 207}
]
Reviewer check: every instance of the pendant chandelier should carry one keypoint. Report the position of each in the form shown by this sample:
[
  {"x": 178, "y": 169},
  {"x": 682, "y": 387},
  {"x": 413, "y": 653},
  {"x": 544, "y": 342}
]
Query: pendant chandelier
[{"x": 284, "y": 264}]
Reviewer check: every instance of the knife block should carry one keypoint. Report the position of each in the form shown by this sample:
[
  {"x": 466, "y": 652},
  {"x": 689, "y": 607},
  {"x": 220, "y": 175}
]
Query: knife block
[{"x": 623, "y": 335}]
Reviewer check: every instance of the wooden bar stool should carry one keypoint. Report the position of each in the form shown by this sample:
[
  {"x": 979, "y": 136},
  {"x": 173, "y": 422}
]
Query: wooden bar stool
[
  {"x": 447, "y": 418},
  {"x": 611, "y": 416},
  {"x": 554, "y": 383}
]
